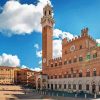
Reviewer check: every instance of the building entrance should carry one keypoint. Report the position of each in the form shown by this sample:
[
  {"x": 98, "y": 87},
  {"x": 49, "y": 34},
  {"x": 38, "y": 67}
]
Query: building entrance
[
  {"x": 93, "y": 88},
  {"x": 51, "y": 86}
]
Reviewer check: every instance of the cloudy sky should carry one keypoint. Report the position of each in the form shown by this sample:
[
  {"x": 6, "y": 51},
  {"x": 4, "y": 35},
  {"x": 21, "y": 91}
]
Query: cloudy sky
[{"x": 20, "y": 29}]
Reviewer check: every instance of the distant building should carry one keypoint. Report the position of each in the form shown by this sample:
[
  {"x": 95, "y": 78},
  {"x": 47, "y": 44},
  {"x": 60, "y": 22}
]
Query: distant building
[
  {"x": 77, "y": 69},
  {"x": 16, "y": 75},
  {"x": 7, "y": 75},
  {"x": 26, "y": 77}
]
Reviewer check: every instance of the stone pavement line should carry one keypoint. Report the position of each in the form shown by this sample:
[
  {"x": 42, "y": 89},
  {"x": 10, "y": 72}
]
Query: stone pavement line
[{"x": 30, "y": 95}]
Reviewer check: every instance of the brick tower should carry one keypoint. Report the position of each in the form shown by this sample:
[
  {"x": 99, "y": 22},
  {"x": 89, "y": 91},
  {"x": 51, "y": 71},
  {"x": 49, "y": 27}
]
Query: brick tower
[{"x": 47, "y": 22}]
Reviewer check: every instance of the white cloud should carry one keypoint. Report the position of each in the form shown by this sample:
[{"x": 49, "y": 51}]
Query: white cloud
[
  {"x": 57, "y": 48},
  {"x": 36, "y": 46},
  {"x": 23, "y": 66},
  {"x": 98, "y": 40},
  {"x": 33, "y": 69},
  {"x": 57, "y": 33},
  {"x": 17, "y": 18},
  {"x": 9, "y": 60},
  {"x": 39, "y": 53},
  {"x": 36, "y": 69}
]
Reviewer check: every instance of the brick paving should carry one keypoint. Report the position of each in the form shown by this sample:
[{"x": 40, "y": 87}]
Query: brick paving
[{"x": 18, "y": 93}]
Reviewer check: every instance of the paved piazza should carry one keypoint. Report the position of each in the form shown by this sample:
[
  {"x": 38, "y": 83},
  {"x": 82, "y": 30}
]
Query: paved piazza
[{"x": 19, "y": 93}]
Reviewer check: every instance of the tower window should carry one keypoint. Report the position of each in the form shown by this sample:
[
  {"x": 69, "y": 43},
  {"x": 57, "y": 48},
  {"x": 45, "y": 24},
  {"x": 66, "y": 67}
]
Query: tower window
[
  {"x": 80, "y": 74},
  {"x": 65, "y": 52},
  {"x": 80, "y": 58},
  {"x": 74, "y": 74},
  {"x": 95, "y": 55},
  {"x": 65, "y": 75},
  {"x": 55, "y": 64},
  {"x": 45, "y": 13},
  {"x": 69, "y": 75},
  {"x": 51, "y": 77},
  {"x": 88, "y": 74},
  {"x": 94, "y": 73},
  {"x": 49, "y": 12},
  {"x": 75, "y": 60},
  {"x": 51, "y": 65},
  {"x": 70, "y": 61},
  {"x": 55, "y": 76},
  {"x": 60, "y": 76},
  {"x": 65, "y": 62},
  {"x": 88, "y": 57},
  {"x": 80, "y": 46}
]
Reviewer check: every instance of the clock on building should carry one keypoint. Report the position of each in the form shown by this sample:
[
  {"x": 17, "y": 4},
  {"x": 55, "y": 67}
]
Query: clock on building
[
  {"x": 72, "y": 48},
  {"x": 44, "y": 60}
]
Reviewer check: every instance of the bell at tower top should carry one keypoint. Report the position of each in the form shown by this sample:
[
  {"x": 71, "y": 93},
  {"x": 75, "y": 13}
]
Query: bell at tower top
[
  {"x": 47, "y": 19},
  {"x": 47, "y": 10}
]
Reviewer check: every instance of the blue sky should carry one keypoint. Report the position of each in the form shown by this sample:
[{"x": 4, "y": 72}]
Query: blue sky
[{"x": 70, "y": 16}]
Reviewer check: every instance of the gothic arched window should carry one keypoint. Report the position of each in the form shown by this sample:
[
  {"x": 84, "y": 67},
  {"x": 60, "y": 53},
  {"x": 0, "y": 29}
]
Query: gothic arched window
[
  {"x": 49, "y": 12},
  {"x": 45, "y": 13}
]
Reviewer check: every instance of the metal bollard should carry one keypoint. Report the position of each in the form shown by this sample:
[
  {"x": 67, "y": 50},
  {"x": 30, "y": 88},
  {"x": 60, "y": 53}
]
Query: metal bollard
[
  {"x": 85, "y": 96},
  {"x": 57, "y": 94},
  {"x": 75, "y": 95},
  {"x": 95, "y": 96},
  {"x": 63, "y": 94}
]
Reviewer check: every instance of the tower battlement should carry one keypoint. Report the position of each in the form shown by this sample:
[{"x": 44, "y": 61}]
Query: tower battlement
[{"x": 84, "y": 33}]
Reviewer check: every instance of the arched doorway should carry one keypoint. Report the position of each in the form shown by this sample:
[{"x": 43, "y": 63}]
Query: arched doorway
[
  {"x": 39, "y": 83},
  {"x": 51, "y": 86},
  {"x": 93, "y": 88},
  {"x": 44, "y": 83}
]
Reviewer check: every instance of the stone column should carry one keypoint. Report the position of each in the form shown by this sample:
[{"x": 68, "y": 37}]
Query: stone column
[
  {"x": 41, "y": 84},
  {"x": 50, "y": 86},
  {"x": 53, "y": 86},
  {"x": 77, "y": 87},
  {"x": 90, "y": 89},
  {"x": 57, "y": 86},
  {"x": 97, "y": 89},
  {"x": 62, "y": 87}
]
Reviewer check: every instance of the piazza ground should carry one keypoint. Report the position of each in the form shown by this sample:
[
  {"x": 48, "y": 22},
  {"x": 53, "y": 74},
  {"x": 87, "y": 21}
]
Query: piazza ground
[{"x": 12, "y": 92}]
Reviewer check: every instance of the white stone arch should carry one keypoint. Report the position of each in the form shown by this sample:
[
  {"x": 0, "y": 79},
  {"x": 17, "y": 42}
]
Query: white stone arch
[
  {"x": 80, "y": 82},
  {"x": 74, "y": 81},
  {"x": 93, "y": 82},
  {"x": 88, "y": 82}
]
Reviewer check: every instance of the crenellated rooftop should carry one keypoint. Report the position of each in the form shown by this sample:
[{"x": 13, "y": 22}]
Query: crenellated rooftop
[{"x": 84, "y": 33}]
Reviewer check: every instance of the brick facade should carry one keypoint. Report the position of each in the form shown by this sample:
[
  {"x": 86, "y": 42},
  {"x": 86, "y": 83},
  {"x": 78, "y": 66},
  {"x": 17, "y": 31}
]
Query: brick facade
[{"x": 80, "y": 59}]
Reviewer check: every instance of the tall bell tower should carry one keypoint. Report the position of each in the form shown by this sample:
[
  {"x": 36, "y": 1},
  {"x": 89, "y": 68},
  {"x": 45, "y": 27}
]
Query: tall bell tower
[{"x": 47, "y": 22}]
